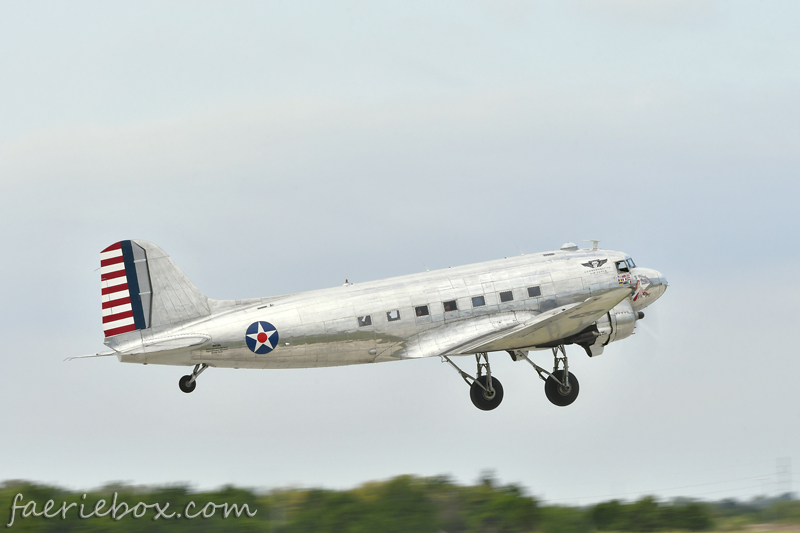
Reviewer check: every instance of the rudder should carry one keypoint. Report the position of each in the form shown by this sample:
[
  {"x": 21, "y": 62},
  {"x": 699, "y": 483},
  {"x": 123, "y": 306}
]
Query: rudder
[
  {"x": 125, "y": 288},
  {"x": 143, "y": 288}
]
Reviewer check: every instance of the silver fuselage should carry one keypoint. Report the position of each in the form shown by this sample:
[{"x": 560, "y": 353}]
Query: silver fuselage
[{"x": 321, "y": 327}]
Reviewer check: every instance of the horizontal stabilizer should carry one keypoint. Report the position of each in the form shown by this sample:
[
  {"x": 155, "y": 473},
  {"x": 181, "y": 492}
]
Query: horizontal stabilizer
[
  {"x": 173, "y": 342},
  {"x": 146, "y": 343},
  {"x": 103, "y": 354}
]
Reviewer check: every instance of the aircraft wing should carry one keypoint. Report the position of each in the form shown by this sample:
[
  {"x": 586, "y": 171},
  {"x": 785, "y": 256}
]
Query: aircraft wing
[
  {"x": 509, "y": 331},
  {"x": 549, "y": 326}
]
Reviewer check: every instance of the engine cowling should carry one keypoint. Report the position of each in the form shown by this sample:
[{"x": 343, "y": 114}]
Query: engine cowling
[{"x": 615, "y": 325}]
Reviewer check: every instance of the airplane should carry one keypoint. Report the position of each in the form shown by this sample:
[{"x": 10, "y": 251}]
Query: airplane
[{"x": 153, "y": 314}]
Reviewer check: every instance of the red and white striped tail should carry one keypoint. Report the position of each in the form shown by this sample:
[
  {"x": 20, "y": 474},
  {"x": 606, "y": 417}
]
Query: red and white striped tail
[{"x": 124, "y": 280}]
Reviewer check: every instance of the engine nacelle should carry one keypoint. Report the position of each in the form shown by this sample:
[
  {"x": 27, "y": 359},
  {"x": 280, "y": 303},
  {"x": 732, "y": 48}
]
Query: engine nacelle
[{"x": 615, "y": 325}]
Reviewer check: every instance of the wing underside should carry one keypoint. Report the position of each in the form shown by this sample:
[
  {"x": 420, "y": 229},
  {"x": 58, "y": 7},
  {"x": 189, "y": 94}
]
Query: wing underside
[
  {"x": 514, "y": 331},
  {"x": 550, "y": 326}
]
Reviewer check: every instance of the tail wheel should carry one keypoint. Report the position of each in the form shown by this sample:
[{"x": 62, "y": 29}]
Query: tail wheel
[
  {"x": 557, "y": 393},
  {"x": 483, "y": 399},
  {"x": 184, "y": 384}
]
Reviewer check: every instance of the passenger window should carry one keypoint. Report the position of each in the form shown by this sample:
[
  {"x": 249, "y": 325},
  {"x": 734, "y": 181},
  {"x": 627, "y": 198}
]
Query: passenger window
[
  {"x": 450, "y": 306},
  {"x": 533, "y": 292},
  {"x": 422, "y": 310},
  {"x": 478, "y": 301},
  {"x": 506, "y": 296},
  {"x": 393, "y": 315},
  {"x": 622, "y": 266},
  {"x": 365, "y": 320},
  {"x": 631, "y": 263}
]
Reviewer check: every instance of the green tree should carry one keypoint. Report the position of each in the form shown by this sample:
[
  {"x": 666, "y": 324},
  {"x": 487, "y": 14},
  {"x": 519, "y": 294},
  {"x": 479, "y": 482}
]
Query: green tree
[
  {"x": 607, "y": 516},
  {"x": 500, "y": 510},
  {"x": 693, "y": 517},
  {"x": 565, "y": 520},
  {"x": 644, "y": 515}
]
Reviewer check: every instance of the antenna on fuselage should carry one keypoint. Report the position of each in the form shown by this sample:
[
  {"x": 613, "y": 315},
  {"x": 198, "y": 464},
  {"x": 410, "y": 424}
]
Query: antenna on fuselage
[
  {"x": 520, "y": 250},
  {"x": 594, "y": 243},
  {"x": 426, "y": 266}
]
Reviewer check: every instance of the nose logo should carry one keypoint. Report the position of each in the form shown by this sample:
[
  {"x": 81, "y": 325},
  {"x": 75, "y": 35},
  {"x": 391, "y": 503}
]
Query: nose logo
[
  {"x": 641, "y": 284},
  {"x": 261, "y": 337},
  {"x": 595, "y": 263}
]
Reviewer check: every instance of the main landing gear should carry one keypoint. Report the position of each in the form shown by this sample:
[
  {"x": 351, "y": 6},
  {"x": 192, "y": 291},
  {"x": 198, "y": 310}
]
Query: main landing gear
[
  {"x": 485, "y": 391},
  {"x": 188, "y": 383},
  {"x": 560, "y": 386}
]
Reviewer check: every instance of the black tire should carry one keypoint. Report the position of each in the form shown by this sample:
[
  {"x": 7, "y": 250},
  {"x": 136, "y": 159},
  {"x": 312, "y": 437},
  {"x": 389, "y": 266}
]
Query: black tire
[
  {"x": 556, "y": 393},
  {"x": 481, "y": 399},
  {"x": 185, "y": 386}
]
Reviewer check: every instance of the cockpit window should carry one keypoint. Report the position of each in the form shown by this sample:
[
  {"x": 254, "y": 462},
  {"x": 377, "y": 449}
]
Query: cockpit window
[
  {"x": 631, "y": 263},
  {"x": 622, "y": 266}
]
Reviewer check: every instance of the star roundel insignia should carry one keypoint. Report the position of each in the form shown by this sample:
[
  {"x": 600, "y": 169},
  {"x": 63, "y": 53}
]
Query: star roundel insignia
[{"x": 261, "y": 337}]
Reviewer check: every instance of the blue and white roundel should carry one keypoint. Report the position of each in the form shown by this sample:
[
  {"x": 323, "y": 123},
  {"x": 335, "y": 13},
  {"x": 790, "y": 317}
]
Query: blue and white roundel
[{"x": 261, "y": 337}]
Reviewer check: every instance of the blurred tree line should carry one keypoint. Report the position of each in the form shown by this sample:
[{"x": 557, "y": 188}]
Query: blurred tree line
[{"x": 403, "y": 504}]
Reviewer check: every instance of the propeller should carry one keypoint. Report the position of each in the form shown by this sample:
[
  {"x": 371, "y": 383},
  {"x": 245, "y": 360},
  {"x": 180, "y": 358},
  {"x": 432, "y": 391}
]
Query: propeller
[{"x": 649, "y": 325}]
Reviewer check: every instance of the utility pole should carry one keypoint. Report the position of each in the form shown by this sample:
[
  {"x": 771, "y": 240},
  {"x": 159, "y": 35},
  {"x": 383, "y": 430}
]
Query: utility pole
[{"x": 783, "y": 477}]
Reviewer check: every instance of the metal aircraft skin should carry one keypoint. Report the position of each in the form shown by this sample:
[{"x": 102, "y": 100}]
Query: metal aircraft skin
[{"x": 153, "y": 314}]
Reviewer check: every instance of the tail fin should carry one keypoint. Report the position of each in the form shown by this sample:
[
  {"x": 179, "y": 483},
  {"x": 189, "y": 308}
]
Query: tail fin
[{"x": 143, "y": 288}]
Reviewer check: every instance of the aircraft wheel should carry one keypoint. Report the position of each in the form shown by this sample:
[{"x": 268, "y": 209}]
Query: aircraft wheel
[
  {"x": 482, "y": 399},
  {"x": 556, "y": 393},
  {"x": 185, "y": 386}
]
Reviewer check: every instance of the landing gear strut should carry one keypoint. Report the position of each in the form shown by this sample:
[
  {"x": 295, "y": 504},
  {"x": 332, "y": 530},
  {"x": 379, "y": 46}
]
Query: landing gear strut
[
  {"x": 560, "y": 386},
  {"x": 485, "y": 391},
  {"x": 188, "y": 383}
]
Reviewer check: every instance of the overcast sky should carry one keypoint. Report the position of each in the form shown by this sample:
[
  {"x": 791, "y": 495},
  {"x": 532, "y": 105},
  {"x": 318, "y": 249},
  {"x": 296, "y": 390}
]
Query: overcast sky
[{"x": 278, "y": 147}]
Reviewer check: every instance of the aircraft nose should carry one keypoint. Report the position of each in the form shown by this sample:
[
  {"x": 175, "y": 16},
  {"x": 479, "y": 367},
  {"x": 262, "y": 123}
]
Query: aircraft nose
[
  {"x": 655, "y": 277},
  {"x": 659, "y": 284}
]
